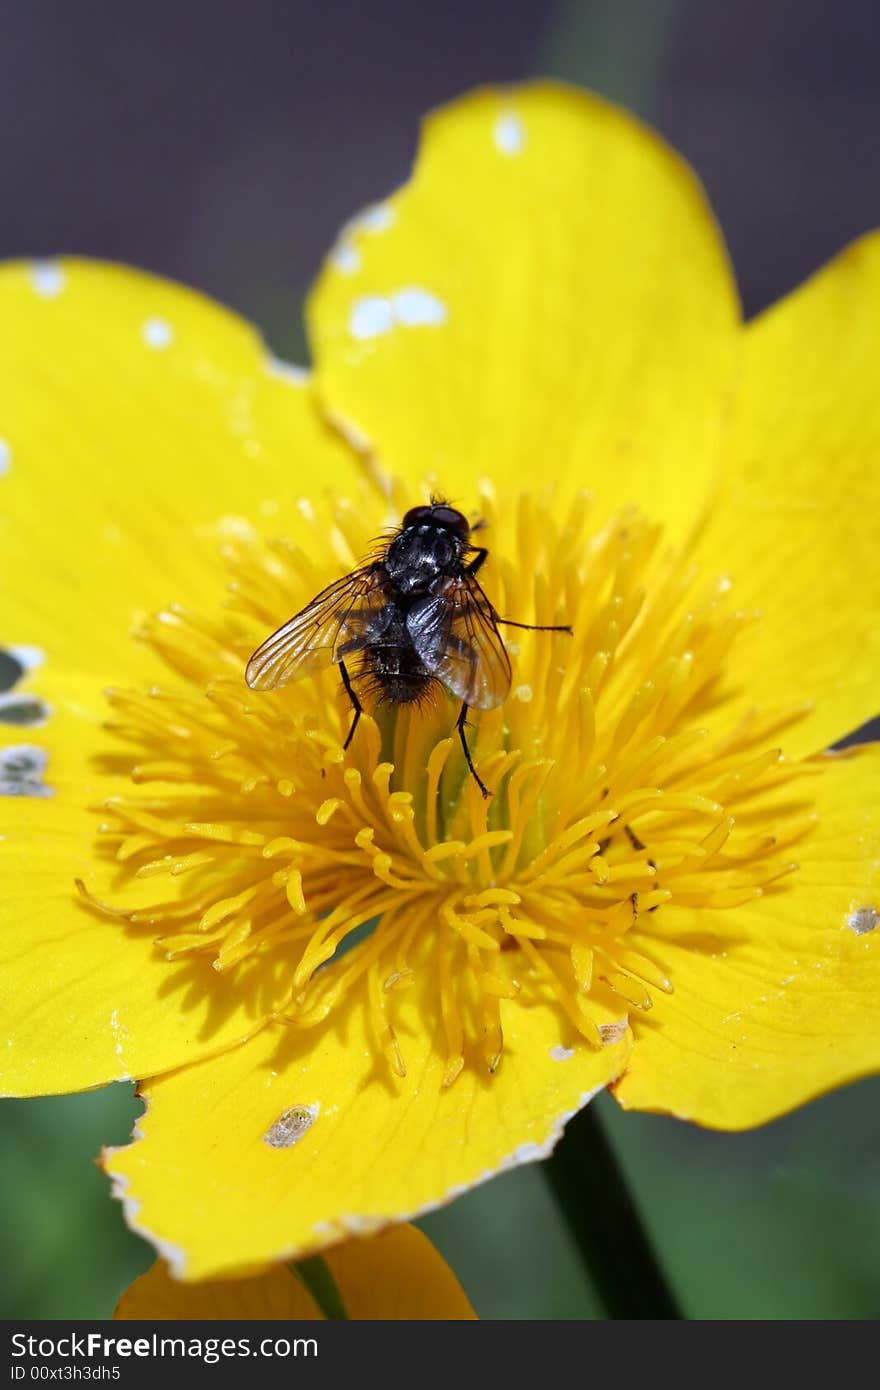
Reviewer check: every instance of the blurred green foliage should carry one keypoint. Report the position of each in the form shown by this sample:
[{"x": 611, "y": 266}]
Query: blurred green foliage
[
  {"x": 781, "y": 1222},
  {"x": 614, "y": 46},
  {"x": 66, "y": 1252}
]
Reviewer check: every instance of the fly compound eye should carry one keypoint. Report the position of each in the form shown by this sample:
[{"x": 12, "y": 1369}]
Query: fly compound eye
[
  {"x": 448, "y": 516},
  {"x": 416, "y": 515}
]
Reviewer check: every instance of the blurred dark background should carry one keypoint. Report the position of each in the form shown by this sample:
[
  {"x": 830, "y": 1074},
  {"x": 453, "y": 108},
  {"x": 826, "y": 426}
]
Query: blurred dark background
[{"x": 223, "y": 144}]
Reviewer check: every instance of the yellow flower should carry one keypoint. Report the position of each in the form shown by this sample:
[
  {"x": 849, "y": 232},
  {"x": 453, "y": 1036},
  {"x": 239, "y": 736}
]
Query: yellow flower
[
  {"x": 672, "y": 887},
  {"x": 396, "y": 1275}
]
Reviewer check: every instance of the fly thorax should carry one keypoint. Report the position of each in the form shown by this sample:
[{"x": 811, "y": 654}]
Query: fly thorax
[{"x": 418, "y": 555}]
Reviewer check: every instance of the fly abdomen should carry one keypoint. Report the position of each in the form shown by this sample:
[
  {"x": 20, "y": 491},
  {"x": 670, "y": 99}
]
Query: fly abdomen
[{"x": 396, "y": 675}]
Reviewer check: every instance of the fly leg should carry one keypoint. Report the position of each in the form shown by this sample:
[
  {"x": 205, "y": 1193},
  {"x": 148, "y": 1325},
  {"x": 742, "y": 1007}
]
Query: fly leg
[
  {"x": 355, "y": 703},
  {"x": 633, "y": 838},
  {"x": 476, "y": 564},
  {"x": 533, "y": 627},
  {"x": 461, "y": 725},
  {"x": 638, "y": 844}
]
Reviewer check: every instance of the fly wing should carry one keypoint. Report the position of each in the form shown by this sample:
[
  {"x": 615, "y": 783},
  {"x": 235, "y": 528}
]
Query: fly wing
[
  {"x": 344, "y": 618},
  {"x": 456, "y": 636}
]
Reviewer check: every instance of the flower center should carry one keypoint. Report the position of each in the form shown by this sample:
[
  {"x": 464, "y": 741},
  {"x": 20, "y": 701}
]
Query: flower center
[{"x": 619, "y": 787}]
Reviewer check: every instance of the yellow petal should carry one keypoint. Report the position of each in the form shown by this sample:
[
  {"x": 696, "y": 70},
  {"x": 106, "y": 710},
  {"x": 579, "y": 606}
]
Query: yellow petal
[
  {"x": 140, "y": 424},
  {"x": 794, "y": 526},
  {"x": 352, "y": 1147},
  {"x": 775, "y": 1002},
  {"x": 85, "y": 999},
  {"x": 397, "y": 1275},
  {"x": 276, "y": 1296},
  {"x": 549, "y": 298}
]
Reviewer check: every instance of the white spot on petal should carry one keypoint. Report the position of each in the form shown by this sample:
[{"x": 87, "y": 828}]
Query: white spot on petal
[
  {"x": 371, "y": 316},
  {"x": 523, "y": 693},
  {"x": 509, "y": 133},
  {"x": 345, "y": 257},
  {"x": 47, "y": 278},
  {"x": 377, "y": 218},
  {"x": 416, "y": 306},
  {"x": 21, "y": 770},
  {"x": 157, "y": 333},
  {"x": 288, "y": 371},
  {"x": 863, "y": 920},
  {"x": 290, "y": 1126},
  {"x": 29, "y": 658},
  {"x": 411, "y": 307},
  {"x": 561, "y": 1054},
  {"x": 5, "y": 457}
]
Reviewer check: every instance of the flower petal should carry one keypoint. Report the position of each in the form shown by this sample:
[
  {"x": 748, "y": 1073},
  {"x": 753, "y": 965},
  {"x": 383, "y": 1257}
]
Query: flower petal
[
  {"x": 88, "y": 1000},
  {"x": 397, "y": 1275},
  {"x": 276, "y": 1296},
  {"x": 549, "y": 298},
  {"x": 297, "y": 1140},
  {"x": 794, "y": 525},
  {"x": 139, "y": 425},
  {"x": 776, "y": 1003}
]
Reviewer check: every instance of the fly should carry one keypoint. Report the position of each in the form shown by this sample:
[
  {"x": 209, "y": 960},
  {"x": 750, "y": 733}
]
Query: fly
[{"x": 415, "y": 615}]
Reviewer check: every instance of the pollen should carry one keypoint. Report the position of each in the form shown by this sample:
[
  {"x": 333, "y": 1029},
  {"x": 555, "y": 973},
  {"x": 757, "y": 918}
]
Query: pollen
[{"x": 620, "y": 785}]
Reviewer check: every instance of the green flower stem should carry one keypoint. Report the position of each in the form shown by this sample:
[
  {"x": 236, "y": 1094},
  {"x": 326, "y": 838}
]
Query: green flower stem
[
  {"x": 315, "y": 1276},
  {"x": 599, "y": 1210}
]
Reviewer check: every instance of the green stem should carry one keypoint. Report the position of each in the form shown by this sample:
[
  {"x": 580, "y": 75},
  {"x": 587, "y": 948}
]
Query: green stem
[
  {"x": 591, "y": 1190},
  {"x": 315, "y": 1275}
]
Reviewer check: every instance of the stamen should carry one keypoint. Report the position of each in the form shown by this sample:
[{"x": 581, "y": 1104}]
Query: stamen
[{"x": 618, "y": 789}]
